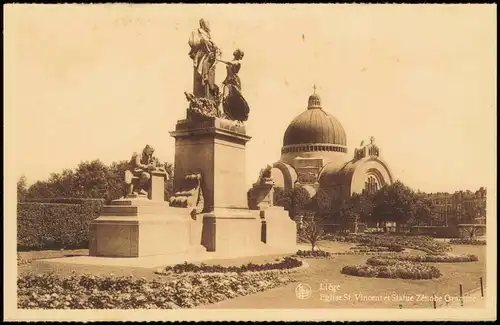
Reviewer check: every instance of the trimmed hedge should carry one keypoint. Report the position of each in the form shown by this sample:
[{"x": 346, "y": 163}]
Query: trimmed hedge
[
  {"x": 64, "y": 200},
  {"x": 42, "y": 226}
]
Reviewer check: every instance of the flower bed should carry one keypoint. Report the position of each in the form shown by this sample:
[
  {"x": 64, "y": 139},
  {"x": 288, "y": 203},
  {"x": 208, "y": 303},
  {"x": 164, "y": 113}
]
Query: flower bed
[
  {"x": 393, "y": 269},
  {"x": 48, "y": 291},
  {"x": 283, "y": 264},
  {"x": 427, "y": 258},
  {"x": 423, "y": 243},
  {"x": 313, "y": 254},
  {"x": 467, "y": 241},
  {"x": 365, "y": 248},
  {"x": 363, "y": 253},
  {"x": 368, "y": 248}
]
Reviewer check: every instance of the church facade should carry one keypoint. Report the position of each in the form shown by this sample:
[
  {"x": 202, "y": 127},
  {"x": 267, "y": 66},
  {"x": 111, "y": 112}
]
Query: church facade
[{"x": 315, "y": 157}]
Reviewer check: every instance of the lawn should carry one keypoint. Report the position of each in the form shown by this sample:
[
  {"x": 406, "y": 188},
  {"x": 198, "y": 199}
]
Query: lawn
[
  {"x": 37, "y": 255},
  {"x": 349, "y": 289},
  {"x": 37, "y": 267}
]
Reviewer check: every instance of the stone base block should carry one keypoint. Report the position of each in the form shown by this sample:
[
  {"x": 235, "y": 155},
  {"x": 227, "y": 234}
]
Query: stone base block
[
  {"x": 242, "y": 232},
  {"x": 138, "y": 228},
  {"x": 231, "y": 231},
  {"x": 280, "y": 231}
]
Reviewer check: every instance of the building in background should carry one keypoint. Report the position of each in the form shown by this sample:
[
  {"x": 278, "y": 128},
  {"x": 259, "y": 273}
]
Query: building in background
[
  {"x": 459, "y": 208},
  {"x": 315, "y": 157}
]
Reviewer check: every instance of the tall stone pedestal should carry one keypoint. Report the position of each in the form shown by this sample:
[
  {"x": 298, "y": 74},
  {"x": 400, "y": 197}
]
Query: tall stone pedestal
[{"x": 215, "y": 148}]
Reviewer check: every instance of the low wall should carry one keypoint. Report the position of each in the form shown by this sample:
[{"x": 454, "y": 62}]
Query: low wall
[{"x": 435, "y": 231}]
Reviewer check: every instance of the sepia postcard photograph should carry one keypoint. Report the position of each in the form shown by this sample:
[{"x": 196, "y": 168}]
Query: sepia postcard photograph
[{"x": 250, "y": 162}]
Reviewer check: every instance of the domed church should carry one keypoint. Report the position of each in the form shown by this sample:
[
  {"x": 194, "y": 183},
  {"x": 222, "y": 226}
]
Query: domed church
[{"x": 315, "y": 156}]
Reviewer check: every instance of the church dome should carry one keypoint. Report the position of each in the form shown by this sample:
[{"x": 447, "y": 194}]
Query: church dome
[{"x": 315, "y": 126}]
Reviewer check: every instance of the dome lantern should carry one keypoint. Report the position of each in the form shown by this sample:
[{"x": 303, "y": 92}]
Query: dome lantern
[{"x": 314, "y": 100}]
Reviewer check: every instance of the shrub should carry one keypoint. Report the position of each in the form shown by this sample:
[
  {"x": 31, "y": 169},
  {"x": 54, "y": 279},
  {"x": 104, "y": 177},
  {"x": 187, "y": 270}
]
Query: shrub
[
  {"x": 49, "y": 291},
  {"x": 387, "y": 268},
  {"x": 313, "y": 254},
  {"x": 467, "y": 241},
  {"x": 55, "y": 225},
  {"x": 283, "y": 264}
]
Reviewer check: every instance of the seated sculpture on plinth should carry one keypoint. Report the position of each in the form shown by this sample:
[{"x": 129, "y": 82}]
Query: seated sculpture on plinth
[
  {"x": 138, "y": 176},
  {"x": 260, "y": 196},
  {"x": 191, "y": 194}
]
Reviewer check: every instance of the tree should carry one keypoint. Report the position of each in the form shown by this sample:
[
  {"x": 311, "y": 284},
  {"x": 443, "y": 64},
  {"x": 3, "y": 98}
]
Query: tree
[
  {"x": 295, "y": 201},
  {"x": 62, "y": 185},
  {"x": 349, "y": 221},
  {"x": 40, "y": 190},
  {"x": 22, "y": 188},
  {"x": 347, "y": 212},
  {"x": 92, "y": 180},
  {"x": 472, "y": 230},
  {"x": 311, "y": 232},
  {"x": 300, "y": 201},
  {"x": 322, "y": 204},
  {"x": 282, "y": 197},
  {"x": 422, "y": 213},
  {"x": 395, "y": 202},
  {"x": 116, "y": 176},
  {"x": 362, "y": 205}
]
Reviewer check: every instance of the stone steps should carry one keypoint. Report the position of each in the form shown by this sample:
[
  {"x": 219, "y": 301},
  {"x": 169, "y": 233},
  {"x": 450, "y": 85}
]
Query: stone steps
[{"x": 109, "y": 210}]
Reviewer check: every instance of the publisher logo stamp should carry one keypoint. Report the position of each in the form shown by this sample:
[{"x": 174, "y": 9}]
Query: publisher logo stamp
[{"x": 303, "y": 291}]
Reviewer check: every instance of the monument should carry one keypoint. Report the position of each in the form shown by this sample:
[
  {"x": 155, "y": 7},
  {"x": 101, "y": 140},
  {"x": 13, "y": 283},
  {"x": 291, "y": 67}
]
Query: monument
[{"x": 211, "y": 211}]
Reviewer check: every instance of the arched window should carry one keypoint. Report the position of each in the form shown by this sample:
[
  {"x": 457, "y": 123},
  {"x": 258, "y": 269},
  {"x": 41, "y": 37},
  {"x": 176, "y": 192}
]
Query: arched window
[{"x": 371, "y": 185}]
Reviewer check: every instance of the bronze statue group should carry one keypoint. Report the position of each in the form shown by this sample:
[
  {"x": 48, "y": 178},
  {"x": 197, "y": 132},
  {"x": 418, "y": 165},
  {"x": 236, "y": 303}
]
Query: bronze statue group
[{"x": 206, "y": 97}]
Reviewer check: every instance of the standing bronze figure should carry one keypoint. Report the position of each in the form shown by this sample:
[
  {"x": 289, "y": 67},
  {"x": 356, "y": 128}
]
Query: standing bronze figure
[
  {"x": 234, "y": 104},
  {"x": 203, "y": 53}
]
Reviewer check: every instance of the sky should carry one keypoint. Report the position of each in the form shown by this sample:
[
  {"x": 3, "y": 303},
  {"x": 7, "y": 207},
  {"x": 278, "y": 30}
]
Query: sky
[{"x": 86, "y": 82}]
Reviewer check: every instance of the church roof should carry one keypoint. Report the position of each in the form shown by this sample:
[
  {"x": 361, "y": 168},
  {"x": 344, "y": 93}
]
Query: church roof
[
  {"x": 315, "y": 126},
  {"x": 337, "y": 174}
]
